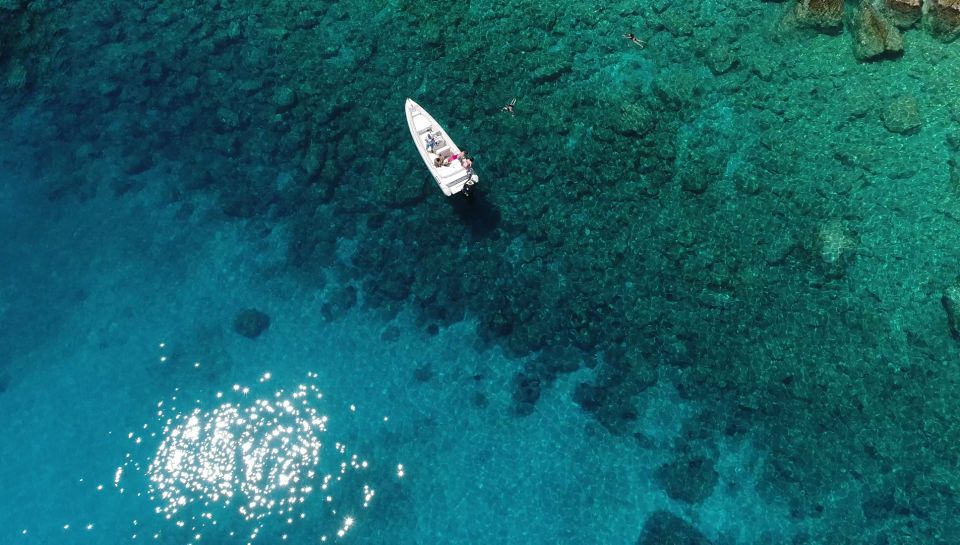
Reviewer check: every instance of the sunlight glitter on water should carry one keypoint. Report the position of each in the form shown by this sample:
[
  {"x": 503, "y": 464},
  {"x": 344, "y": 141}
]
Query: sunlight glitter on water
[{"x": 250, "y": 465}]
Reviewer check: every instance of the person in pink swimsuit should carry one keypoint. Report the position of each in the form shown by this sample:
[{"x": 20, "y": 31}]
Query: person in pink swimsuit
[{"x": 465, "y": 161}]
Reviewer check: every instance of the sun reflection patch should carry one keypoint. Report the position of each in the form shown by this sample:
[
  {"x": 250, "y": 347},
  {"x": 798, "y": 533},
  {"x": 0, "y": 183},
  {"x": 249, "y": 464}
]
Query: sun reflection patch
[{"x": 250, "y": 465}]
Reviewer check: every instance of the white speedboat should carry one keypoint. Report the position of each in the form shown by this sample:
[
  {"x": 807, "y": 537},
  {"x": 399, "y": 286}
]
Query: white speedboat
[{"x": 436, "y": 148}]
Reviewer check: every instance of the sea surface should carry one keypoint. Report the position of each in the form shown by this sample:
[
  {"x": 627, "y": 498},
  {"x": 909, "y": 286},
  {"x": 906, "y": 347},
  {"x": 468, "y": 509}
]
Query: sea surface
[{"x": 706, "y": 292}]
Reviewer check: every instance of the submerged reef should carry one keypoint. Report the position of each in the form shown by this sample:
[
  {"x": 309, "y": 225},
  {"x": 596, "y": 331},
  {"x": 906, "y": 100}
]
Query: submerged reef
[
  {"x": 665, "y": 528},
  {"x": 251, "y": 322},
  {"x": 759, "y": 218},
  {"x": 689, "y": 478},
  {"x": 876, "y": 24},
  {"x": 822, "y": 14},
  {"x": 874, "y": 35},
  {"x": 903, "y": 13},
  {"x": 942, "y": 18}
]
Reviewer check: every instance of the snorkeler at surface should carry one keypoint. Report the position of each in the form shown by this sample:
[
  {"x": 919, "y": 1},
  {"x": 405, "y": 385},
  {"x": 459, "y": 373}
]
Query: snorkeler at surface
[{"x": 633, "y": 38}]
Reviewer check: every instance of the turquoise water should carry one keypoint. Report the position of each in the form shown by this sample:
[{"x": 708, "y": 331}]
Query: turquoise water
[{"x": 706, "y": 291}]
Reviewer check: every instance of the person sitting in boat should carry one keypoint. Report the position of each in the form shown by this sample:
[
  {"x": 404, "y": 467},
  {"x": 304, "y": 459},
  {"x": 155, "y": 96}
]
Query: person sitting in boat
[
  {"x": 465, "y": 161},
  {"x": 440, "y": 161},
  {"x": 431, "y": 141}
]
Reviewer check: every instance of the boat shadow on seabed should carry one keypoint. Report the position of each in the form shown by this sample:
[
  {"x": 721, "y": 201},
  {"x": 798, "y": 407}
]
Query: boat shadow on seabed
[{"x": 477, "y": 213}]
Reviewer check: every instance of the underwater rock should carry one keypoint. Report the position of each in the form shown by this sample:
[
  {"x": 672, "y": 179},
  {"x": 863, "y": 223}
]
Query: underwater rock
[
  {"x": 825, "y": 15},
  {"x": 397, "y": 190},
  {"x": 953, "y": 171},
  {"x": 284, "y": 99},
  {"x": 12, "y": 5},
  {"x": 16, "y": 77},
  {"x": 611, "y": 408},
  {"x": 665, "y": 528},
  {"x": 902, "y": 115},
  {"x": 249, "y": 198},
  {"x": 903, "y": 13},
  {"x": 942, "y": 19},
  {"x": 636, "y": 120},
  {"x": 526, "y": 392},
  {"x": 697, "y": 171},
  {"x": 251, "y": 322},
  {"x": 951, "y": 304},
  {"x": 747, "y": 179},
  {"x": 676, "y": 88},
  {"x": 721, "y": 59},
  {"x": 953, "y": 141},
  {"x": 391, "y": 286},
  {"x": 339, "y": 302},
  {"x": 479, "y": 400},
  {"x": 689, "y": 478},
  {"x": 551, "y": 70},
  {"x": 136, "y": 163},
  {"x": 678, "y": 21},
  {"x": 834, "y": 248},
  {"x": 874, "y": 36},
  {"x": 423, "y": 373},
  {"x": 694, "y": 180},
  {"x": 228, "y": 120},
  {"x": 553, "y": 362},
  {"x": 882, "y": 505},
  {"x": 390, "y": 334},
  {"x": 313, "y": 159},
  {"x": 312, "y": 249},
  {"x": 610, "y": 399}
]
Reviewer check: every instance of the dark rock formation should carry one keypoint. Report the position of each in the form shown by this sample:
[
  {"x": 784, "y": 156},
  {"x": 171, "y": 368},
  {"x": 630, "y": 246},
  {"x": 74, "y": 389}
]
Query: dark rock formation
[
  {"x": 874, "y": 36},
  {"x": 636, "y": 120},
  {"x": 953, "y": 171},
  {"x": 284, "y": 99},
  {"x": 665, "y": 528},
  {"x": 479, "y": 400},
  {"x": 526, "y": 392},
  {"x": 825, "y": 15},
  {"x": 689, "y": 478},
  {"x": 882, "y": 505},
  {"x": 834, "y": 248},
  {"x": 11, "y": 5},
  {"x": 623, "y": 375},
  {"x": 903, "y": 13},
  {"x": 390, "y": 334},
  {"x": 423, "y": 373},
  {"x": 251, "y": 322},
  {"x": 942, "y": 19},
  {"x": 951, "y": 303},
  {"x": 339, "y": 302},
  {"x": 721, "y": 59},
  {"x": 902, "y": 115}
]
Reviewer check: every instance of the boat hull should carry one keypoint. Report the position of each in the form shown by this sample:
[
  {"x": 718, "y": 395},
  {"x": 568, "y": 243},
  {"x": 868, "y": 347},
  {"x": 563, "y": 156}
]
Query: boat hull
[{"x": 452, "y": 178}]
